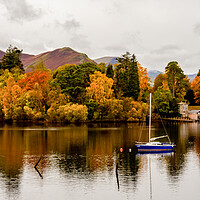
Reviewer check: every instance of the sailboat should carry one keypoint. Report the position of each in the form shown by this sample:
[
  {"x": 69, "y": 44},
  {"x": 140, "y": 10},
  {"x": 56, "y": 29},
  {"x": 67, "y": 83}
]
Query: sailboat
[{"x": 153, "y": 146}]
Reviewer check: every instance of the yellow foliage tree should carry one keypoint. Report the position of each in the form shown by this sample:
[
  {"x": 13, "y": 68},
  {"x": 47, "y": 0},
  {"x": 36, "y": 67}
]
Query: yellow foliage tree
[
  {"x": 100, "y": 87},
  {"x": 12, "y": 100},
  {"x": 100, "y": 91}
]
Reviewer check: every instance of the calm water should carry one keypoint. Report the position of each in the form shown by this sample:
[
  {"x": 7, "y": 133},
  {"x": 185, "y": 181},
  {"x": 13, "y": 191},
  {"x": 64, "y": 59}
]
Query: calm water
[{"x": 79, "y": 162}]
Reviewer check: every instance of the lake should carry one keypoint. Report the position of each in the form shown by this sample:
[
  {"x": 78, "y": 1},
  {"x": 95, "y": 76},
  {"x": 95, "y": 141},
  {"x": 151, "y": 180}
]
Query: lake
[{"x": 80, "y": 162}]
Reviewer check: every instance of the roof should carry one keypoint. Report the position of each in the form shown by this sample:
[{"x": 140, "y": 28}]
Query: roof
[
  {"x": 182, "y": 103},
  {"x": 193, "y": 111}
]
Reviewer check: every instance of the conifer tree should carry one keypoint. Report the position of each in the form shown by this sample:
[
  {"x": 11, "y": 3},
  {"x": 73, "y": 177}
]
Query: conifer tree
[
  {"x": 110, "y": 71},
  {"x": 12, "y": 59},
  {"x": 127, "y": 78}
]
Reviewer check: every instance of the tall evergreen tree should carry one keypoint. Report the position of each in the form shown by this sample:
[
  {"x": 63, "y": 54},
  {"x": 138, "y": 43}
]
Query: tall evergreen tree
[
  {"x": 12, "y": 59},
  {"x": 190, "y": 97},
  {"x": 133, "y": 82},
  {"x": 127, "y": 78},
  {"x": 110, "y": 71},
  {"x": 198, "y": 73},
  {"x": 176, "y": 79}
]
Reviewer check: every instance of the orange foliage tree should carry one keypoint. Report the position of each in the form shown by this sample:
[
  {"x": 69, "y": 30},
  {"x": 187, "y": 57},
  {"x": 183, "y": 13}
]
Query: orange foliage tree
[
  {"x": 37, "y": 76},
  {"x": 144, "y": 83},
  {"x": 36, "y": 88},
  {"x": 196, "y": 88}
]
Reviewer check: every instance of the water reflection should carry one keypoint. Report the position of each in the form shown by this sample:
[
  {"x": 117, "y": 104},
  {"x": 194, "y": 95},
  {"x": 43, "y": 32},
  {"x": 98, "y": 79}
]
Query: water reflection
[{"x": 87, "y": 158}]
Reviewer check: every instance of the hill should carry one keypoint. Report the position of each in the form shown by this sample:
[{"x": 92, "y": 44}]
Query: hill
[
  {"x": 153, "y": 74},
  {"x": 103, "y": 59},
  {"x": 107, "y": 60},
  {"x": 1, "y": 54},
  {"x": 191, "y": 77},
  {"x": 53, "y": 59}
]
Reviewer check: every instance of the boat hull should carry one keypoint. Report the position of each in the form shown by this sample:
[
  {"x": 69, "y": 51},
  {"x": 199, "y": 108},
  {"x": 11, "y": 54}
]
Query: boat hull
[{"x": 154, "y": 148}]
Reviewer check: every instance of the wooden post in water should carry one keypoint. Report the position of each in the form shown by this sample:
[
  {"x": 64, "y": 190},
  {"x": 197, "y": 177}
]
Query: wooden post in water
[
  {"x": 38, "y": 161},
  {"x": 36, "y": 166},
  {"x": 117, "y": 175}
]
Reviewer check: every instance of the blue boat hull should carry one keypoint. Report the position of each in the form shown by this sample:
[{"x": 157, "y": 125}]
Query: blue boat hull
[{"x": 154, "y": 148}]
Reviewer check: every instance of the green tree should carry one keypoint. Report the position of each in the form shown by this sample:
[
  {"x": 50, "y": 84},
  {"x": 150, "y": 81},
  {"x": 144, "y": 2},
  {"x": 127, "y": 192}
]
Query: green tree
[
  {"x": 190, "y": 97},
  {"x": 110, "y": 71},
  {"x": 73, "y": 80},
  {"x": 177, "y": 81},
  {"x": 127, "y": 78},
  {"x": 198, "y": 74},
  {"x": 12, "y": 59},
  {"x": 161, "y": 99},
  {"x": 173, "y": 111}
]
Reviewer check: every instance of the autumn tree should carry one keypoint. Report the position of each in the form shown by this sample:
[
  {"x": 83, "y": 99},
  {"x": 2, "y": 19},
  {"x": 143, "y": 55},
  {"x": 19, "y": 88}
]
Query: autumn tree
[
  {"x": 12, "y": 101},
  {"x": 160, "y": 80},
  {"x": 68, "y": 113},
  {"x": 115, "y": 109},
  {"x": 195, "y": 86},
  {"x": 36, "y": 88},
  {"x": 144, "y": 83},
  {"x": 133, "y": 110},
  {"x": 100, "y": 90}
]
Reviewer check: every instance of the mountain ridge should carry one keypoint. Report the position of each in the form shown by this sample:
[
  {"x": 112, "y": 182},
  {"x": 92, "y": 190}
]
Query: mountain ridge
[
  {"x": 53, "y": 59},
  {"x": 66, "y": 55}
]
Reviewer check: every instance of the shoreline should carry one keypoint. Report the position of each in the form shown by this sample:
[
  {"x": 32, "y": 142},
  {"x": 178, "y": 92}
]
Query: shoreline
[{"x": 46, "y": 122}]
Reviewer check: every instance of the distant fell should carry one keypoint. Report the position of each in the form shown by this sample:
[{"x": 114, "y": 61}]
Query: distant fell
[
  {"x": 53, "y": 59},
  {"x": 154, "y": 73},
  {"x": 107, "y": 60},
  {"x": 1, "y": 54},
  {"x": 191, "y": 76}
]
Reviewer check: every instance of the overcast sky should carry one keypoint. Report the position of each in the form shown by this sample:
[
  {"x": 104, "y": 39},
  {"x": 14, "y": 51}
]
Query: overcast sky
[{"x": 156, "y": 31}]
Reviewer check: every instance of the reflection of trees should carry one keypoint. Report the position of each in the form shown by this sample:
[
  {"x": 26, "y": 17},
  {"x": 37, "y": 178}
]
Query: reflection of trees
[
  {"x": 128, "y": 167},
  {"x": 197, "y": 145},
  {"x": 74, "y": 161},
  {"x": 11, "y": 159},
  {"x": 87, "y": 152}
]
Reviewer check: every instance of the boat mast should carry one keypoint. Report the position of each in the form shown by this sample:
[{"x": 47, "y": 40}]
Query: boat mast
[{"x": 150, "y": 119}]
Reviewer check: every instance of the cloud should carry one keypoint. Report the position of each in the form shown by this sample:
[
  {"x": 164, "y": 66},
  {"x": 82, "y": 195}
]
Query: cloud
[
  {"x": 118, "y": 48},
  {"x": 158, "y": 59},
  {"x": 20, "y": 10},
  {"x": 166, "y": 49},
  {"x": 80, "y": 42},
  {"x": 69, "y": 24},
  {"x": 197, "y": 29}
]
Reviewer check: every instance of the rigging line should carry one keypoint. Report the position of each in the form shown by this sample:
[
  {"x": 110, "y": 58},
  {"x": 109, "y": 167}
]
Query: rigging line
[
  {"x": 141, "y": 130},
  {"x": 161, "y": 121},
  {"x": 143, "y": 124}
]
